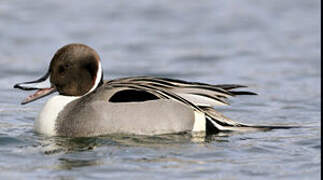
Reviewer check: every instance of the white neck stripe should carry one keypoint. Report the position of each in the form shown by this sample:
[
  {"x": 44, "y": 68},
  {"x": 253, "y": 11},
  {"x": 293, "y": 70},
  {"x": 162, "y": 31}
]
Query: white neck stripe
[{"x": 97, "y": 80}]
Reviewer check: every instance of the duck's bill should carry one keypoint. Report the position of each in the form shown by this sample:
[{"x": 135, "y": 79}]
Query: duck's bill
[
  {"x": 42, "y": 85},
  {"x": 39, "y": 94}
]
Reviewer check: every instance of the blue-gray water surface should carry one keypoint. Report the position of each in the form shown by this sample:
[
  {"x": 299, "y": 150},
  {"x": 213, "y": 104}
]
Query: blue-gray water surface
[{"x": 271, "y": 46}]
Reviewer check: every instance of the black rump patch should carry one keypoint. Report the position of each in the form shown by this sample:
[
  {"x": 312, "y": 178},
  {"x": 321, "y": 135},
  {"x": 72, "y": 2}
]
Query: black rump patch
[{"x": 132, "y": 96}]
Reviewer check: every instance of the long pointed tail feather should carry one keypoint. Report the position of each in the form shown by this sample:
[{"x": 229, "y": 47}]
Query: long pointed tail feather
[{"x": 217, "y": 122}]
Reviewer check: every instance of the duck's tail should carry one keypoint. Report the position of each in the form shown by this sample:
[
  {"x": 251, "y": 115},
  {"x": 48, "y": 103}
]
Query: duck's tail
[{"x": 217, "y": 122}]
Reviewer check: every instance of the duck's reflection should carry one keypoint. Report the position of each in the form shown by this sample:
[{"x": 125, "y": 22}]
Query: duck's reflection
[{"x": 94, "y": 151}]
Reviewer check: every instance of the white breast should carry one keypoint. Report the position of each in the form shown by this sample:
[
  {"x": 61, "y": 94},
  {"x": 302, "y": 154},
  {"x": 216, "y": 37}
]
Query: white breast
[{"x": 45, "y": 123}]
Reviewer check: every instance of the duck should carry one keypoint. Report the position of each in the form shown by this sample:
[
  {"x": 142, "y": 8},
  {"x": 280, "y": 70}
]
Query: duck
[{"x": 88, "y": 106}]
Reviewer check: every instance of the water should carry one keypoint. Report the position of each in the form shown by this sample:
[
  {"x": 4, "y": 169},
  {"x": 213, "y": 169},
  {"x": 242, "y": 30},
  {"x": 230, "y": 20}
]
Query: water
[{"x": 272, "y": 46}]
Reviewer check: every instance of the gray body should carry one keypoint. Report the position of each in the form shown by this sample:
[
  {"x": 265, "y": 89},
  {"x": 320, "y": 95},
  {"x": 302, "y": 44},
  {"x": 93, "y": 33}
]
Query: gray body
[{"x": 94, "y": 115}]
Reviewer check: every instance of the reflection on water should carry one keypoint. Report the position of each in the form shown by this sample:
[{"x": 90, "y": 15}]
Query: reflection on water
[
  {"x": 83, "y": 152},
  {"x": 53, "y": 145},
  {"x": 62, "y": 144}
]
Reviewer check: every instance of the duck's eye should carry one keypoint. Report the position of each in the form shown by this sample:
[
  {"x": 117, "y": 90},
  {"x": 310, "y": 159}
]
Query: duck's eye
[{"x": 61, "y": 69}]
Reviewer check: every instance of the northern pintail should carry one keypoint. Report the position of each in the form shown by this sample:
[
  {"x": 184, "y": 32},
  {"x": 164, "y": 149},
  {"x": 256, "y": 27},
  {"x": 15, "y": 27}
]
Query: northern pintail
[{"x": 87, "y": 106}]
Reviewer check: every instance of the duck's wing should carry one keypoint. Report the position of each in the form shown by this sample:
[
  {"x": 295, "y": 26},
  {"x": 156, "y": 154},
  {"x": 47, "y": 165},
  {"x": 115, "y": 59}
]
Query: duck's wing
[{"x": 200, "y": 94}]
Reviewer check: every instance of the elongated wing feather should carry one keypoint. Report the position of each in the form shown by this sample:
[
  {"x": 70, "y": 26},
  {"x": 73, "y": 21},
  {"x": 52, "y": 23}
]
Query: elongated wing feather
[{"x": 200, "y": 94}]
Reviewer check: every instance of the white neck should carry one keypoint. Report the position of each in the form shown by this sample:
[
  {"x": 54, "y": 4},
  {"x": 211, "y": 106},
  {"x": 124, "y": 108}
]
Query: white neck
[
  {"x": 46, "y": 121},
  {"x": 97, "y": 80}
]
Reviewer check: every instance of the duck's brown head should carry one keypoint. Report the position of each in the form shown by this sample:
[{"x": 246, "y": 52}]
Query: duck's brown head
[{"x": 75, "y": 70}]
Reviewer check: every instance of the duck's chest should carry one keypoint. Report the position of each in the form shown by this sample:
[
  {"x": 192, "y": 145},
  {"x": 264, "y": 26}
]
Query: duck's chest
[{"x": 46, "y": 121}]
